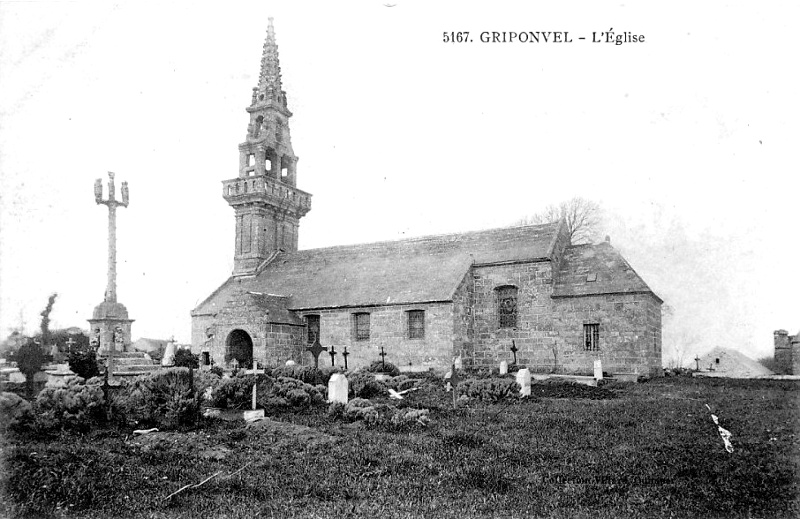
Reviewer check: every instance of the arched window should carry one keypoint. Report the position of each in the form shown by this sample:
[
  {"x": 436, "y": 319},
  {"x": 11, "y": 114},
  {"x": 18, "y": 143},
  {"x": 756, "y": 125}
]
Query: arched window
[{"x": 507, "y": 306}]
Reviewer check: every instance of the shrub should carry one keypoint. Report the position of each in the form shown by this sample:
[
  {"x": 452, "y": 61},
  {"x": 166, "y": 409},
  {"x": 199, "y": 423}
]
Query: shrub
[
  {"x": 217, "y": 370},
  {"x": 489, "y": 389},
  {"x": 362, "y": 384},
  {"x": 336, "y": 409},
  {"x": 30, "y": 358},
  {"x": 381, "y": 367},
  {"x": 205, "y": 383},
  {"x": 382, "y": 414},
  {"x": 84, "y": 363},
  {"x": 403, "y": 382},
  {"x": 163, "y": 398},
  {"x": 76, "y": 404},
  {"x": 307, "y": 374},
  {"x": 297, "y": 393},
  {"x": 236, "y": 392},
  {"x": 15, "y": 412},
  {"x": 186, "y": 359}
]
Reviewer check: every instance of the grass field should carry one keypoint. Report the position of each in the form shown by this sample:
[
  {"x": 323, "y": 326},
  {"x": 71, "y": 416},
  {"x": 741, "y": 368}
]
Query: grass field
[{"x": 638, "y": 450}]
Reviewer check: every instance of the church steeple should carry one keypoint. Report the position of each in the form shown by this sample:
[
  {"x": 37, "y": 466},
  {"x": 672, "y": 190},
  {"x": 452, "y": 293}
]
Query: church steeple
[
  {"x": 269, "y": 81},
  {"x": 267, "y": 203}
]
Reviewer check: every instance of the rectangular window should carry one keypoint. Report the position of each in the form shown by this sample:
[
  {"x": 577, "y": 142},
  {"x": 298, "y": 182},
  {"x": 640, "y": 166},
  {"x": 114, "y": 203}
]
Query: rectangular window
[
  {"x": 591, "y": 337},
  {"x": 312, "y": 325},
  {"x": 361, "y": 326},
  {"x": 416, "y": 324}
]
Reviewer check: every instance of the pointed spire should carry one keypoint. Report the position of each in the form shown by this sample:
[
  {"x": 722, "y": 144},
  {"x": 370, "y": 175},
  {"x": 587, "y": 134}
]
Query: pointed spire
[{"x": 269, "y": 80}]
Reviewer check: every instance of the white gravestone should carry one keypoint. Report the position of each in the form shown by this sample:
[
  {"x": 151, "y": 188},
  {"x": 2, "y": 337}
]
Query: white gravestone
[
  {"x": 503, "y": 367},
  {"x": 458, "y": 363},
  {"x": 598, "y": 370},
  {"x": 524, "y": 380},
  {"x": 291, "y": 363},
  {"x": 337, "y": 388},
  {"x": 169, "y": 355}
]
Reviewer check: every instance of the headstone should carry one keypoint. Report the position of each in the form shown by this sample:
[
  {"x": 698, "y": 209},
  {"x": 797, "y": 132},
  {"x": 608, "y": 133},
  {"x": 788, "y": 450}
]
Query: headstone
[
  {"x": 291, "y": 363},
  {"x": 503, "y": 367},
  {"x": 457, "y": 363},
  {"x": 337, "y": 388},
  {"x": 598, "y": 370},
  {"x": 524, "y": 380},
  {"x": 169, "y": 355}
]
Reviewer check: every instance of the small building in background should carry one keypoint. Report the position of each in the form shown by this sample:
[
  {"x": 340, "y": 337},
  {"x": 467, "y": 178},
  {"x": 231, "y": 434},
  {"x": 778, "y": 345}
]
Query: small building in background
[
  {"x": 787, "y": 352},
  {"x": 726, "y": 362}
]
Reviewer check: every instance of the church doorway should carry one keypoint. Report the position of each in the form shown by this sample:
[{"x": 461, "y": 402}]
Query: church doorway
[{"x": 239, "y": 348}]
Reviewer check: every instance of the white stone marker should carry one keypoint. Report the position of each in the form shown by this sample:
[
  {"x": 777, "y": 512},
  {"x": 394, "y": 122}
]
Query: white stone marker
[
  {"x": 291, "y": 363},
  {"x": 503, "y": 367},
  {"x": 169, "y": 355},
  {"x": 337, "y": 388},
  {"x": 524, "y": 380},
  {"x": 458, "y": 363},
  {"x": 598, "y": 370}
]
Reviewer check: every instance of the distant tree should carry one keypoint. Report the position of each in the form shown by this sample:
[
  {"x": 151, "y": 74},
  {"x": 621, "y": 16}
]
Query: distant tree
[
  {"x": 583, "y": 218},
  {"x": 45, "y": 323},
  {"x": 83, "y": 362},
  {"x": 186, "y": 359},
  {"x": 30, "y": 358}
]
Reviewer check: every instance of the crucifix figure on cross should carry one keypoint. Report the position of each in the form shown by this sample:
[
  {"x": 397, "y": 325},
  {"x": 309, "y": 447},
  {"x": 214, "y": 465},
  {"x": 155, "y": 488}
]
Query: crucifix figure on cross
[
  {"x": 332, "y": 353},
  {"x": 315, "y": 349},
  {"x": 514, "y": 350}
]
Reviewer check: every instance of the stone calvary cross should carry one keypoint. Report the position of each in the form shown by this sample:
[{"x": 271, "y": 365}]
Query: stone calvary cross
[{"x": 112, "y": 203}]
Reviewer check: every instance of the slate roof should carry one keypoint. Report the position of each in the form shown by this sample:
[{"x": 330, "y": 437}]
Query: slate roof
[
  {"x": 601, "y": 262},
  {"x": 414, "y": 270}
]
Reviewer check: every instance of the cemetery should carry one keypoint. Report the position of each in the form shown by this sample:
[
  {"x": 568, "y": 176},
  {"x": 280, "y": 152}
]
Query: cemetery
[{"x": 306, "y": 441}]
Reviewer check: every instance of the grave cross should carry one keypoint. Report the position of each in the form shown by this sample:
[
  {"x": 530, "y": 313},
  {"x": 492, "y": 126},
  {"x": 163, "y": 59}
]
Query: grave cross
[
  {"x": 70, "y": 343},
  {"x": 255, "y": 371},
  {"x": 332, "y": 353},
  {"x": 514, "y": 350},
  {"x": 383, "y": 359},
  {"x": 315, "y": 350},
  {"x": 345, "y": 353},
  {"x": 697, "y": 362}
]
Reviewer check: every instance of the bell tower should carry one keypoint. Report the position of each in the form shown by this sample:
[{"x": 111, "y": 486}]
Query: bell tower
[{"x": 267, "y": 204}]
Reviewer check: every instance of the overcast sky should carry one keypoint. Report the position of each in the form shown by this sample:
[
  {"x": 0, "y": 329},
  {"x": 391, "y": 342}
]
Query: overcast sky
[{"x": 686, "y": 140}]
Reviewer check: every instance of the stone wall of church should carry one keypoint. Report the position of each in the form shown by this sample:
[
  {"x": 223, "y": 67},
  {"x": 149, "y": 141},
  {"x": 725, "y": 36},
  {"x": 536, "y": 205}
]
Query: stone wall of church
[
  {"x": 388, "y": 329},
  {"x": 629, "y": 335},
  {"x": 273, "y": 343},
  {"x": 535, "y": 328},
  {"x": 462, "y": 318},
  {"x": 550, "y": 332}
]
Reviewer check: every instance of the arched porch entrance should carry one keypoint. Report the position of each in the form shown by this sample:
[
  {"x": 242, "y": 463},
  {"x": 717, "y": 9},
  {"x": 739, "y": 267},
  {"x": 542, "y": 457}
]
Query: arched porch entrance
[{"x": 239, "y": 347}]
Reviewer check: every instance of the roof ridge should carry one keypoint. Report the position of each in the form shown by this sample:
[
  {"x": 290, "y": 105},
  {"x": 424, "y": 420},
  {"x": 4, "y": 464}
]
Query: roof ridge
[{"x": 426, "y": 237}]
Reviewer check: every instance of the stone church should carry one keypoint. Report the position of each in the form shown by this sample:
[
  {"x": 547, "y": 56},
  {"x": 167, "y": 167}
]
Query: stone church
[{"x": 422, "y": 301}]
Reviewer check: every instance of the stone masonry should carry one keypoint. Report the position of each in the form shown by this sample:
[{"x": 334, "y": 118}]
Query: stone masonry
[{"x": 467, "y": 294}]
